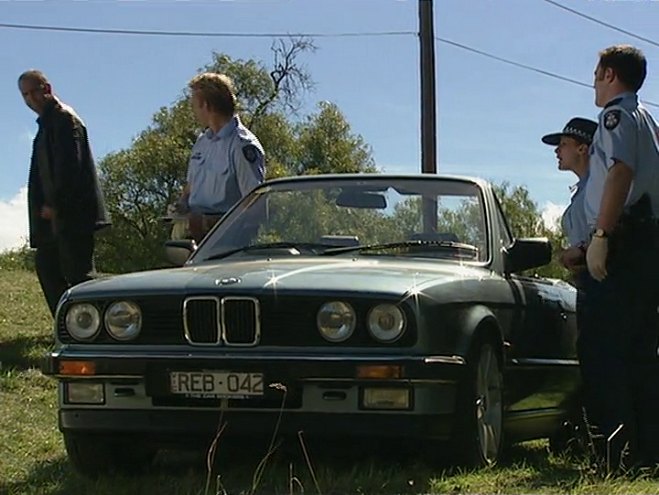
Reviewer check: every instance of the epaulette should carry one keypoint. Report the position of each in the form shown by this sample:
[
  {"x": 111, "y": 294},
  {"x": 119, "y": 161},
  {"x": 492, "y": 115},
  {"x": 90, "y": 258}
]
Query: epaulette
[
  {"x": 613, "y": 102},
  {"x": 244, "y": 135}
]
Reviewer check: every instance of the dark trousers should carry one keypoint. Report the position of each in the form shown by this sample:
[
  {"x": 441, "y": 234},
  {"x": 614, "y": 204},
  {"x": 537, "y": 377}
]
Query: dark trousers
[
  {"x": 63, "y": 263},
  {"x": 200, "y": 224},
  {"x": 618, "y": 328}
]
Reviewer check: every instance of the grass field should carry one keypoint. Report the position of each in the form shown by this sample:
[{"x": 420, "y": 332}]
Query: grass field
[{"x": 33, "y": 460}]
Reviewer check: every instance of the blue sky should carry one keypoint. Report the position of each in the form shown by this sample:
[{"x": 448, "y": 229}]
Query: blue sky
[{"x": 490, "y": 115}]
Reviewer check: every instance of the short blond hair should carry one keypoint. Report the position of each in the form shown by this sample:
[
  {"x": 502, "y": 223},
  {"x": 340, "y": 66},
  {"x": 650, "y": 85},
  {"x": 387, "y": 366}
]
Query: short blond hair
[{"x": 216, "y": 90}]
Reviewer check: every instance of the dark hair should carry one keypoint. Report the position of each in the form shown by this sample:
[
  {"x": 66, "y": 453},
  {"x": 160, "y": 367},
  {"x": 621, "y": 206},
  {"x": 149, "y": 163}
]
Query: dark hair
[
  {"x": 217, "y": 90},
  {"x": 627, "y": 62},
  {"x": 34, "y": 75},
  {"x": 579, "y": 140}
]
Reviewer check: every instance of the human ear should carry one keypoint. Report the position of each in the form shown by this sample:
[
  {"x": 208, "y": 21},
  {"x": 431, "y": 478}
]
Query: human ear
[{"x": 609, "y": 74}]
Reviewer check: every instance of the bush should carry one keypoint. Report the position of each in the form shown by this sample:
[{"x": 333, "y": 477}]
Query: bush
[{"x": 17, "y": 259}]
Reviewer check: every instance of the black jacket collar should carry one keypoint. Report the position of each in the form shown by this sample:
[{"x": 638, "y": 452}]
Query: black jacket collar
[{"x": 48, "y": 110}]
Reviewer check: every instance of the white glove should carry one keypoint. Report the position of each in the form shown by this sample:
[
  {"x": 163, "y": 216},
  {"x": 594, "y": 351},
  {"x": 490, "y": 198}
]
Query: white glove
[{"x": 598, "y": 249}]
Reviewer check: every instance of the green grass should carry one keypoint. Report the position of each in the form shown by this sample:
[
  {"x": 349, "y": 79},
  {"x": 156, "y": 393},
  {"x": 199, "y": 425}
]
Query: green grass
[{"x": 33, "y": 460}]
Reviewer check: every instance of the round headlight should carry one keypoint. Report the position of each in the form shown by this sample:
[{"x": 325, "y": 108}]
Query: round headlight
[
  {"x": 386, "y": 322},
  {"x": 123, "y": 320},
  {"x": 336, "y": 321},
  {"x": 83, "y": 321}
]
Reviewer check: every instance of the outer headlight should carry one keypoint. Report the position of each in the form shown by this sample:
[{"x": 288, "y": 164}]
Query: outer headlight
[
  {"x": 386, "y": 322},
  {"x": 83, "y": 321},
  {"x": 123, "y": 320},
  {"x": 336, "y": 321}
]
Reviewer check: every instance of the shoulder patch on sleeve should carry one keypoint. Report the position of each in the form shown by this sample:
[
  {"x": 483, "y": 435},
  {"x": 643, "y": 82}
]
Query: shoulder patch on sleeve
[
  {"x": 251, "y": 153},
  {"x": 611, "y": 119}
]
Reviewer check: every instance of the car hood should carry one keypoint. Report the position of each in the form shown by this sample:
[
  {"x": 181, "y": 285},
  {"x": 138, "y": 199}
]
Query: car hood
[{"x": 305, "y": 274}]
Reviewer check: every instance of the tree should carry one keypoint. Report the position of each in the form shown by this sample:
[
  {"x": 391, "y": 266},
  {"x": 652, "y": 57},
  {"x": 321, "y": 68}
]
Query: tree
[
  {"x": 139, "y": 182},
  {"x": 525, "y": 220},
  {"x": 327, "y": 145}
]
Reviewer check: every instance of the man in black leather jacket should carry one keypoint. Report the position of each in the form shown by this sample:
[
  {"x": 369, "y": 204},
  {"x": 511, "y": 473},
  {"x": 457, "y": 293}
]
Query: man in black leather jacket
[{"x": 65, "y": 202}]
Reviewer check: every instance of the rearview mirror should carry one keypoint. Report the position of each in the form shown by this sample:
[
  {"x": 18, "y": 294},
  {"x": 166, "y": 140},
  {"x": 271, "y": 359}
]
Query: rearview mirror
[
  {"x": 527, "y": 253},
  {"x": 178, "y": 252},
  {"x": 361, "y": 199}
]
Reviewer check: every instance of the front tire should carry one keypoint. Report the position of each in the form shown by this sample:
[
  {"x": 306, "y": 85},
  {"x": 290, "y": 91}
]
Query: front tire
[
  {"x": 97, "y": 455},
  {"x": 478, "y": 426}
]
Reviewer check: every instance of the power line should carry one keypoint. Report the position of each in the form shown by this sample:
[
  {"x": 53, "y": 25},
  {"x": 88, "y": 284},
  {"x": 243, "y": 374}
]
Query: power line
[
  {"x": 511, "y": 62},
  {"x": 527, "y": 67},
  {"x": 141, "y": 32},
  {"x": 602, "y": 23}
]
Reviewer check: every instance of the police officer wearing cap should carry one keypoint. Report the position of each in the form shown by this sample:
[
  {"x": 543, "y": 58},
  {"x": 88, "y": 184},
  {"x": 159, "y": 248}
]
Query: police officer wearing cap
[
  {"x": 618, "y": 332},
  {"x": 572, "y": 152},
  {"x": 226, "y": 162}
]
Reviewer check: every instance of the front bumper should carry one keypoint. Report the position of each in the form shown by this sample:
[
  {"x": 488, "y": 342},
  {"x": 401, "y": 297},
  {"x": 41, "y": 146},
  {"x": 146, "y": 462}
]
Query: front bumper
[
  {"x": 321, "y": 395},
  {"x": 176, "y": 427}
]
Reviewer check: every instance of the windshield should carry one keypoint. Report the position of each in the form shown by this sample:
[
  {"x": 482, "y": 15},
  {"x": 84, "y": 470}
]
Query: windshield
[{"x": 370, "y": 216}]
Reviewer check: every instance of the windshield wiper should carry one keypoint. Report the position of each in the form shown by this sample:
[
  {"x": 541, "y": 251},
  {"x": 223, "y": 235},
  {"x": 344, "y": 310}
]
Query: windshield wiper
[
  {"x": 314, "y": 247},
  {"x": 403, "y": 244}
]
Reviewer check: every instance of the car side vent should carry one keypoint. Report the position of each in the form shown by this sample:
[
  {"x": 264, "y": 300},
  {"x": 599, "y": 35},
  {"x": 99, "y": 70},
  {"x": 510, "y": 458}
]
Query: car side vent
[
  {"x": 241, "y": 321},
  {"x": 201, "y": 320}
]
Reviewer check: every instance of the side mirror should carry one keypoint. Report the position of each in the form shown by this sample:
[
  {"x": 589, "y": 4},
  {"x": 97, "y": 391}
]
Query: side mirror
[
  {"x": 527, "y": 253},
  {"x": 178, "y": 252}
]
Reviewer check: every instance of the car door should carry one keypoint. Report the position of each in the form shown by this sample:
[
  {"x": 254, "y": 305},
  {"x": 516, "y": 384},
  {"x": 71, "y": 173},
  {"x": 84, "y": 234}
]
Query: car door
[{"x": 541, "y": 366}]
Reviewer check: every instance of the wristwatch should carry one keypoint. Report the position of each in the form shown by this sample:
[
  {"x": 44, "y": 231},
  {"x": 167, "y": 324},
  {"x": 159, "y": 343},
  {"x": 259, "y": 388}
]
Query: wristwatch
[{"x": 600, "y": 233}]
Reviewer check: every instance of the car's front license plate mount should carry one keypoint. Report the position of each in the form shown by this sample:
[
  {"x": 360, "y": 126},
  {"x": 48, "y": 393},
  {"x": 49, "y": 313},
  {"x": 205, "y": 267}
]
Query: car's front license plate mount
[{"x": 216, "y": 384}]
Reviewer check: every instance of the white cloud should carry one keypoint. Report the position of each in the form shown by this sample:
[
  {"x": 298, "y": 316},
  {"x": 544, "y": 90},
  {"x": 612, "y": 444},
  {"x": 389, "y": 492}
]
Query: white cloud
[
  {"x": 551, "y": 215},
  {"x": 13, "y": 221}
]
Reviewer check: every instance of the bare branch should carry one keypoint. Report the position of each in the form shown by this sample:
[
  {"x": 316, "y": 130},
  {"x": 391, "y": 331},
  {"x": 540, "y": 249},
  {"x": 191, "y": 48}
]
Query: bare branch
[{"x": 289, "y": 78}]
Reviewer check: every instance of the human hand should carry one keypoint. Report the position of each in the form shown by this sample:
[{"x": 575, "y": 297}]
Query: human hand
[
  {"x": 598, "y": 249},
  {"x": 572, "y": 258},
  {"x": 181, "y": 206}
]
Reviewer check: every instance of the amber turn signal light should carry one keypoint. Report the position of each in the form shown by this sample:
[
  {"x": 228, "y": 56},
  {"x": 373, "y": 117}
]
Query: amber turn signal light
[
  {"x": 84, "y": 368},
  {"x": 381, "y": 371}
]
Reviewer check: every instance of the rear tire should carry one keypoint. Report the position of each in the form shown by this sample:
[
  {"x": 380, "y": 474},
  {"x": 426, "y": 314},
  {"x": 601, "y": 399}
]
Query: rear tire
[
  {"x": 97, "y": 455},
  {"x": 478, "y": 426}
]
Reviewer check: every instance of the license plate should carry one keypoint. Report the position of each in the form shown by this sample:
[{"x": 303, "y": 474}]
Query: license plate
[{"x": 216, "y": 384}]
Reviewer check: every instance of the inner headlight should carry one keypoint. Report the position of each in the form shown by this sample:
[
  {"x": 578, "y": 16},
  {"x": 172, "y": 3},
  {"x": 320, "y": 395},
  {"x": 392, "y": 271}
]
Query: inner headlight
[
  {"x": 123, "y": 320},
  {"x": 336, "y": 321},
  {"x": 83, "y": 321},
  {"x": 386, "y": 322}
]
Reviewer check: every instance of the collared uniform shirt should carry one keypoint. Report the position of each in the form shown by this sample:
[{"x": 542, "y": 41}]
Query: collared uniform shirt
[
  {"x": 626, "y": 133},
  {"x": 224, "y": 167},
  {"x": 573, "y": 221}
]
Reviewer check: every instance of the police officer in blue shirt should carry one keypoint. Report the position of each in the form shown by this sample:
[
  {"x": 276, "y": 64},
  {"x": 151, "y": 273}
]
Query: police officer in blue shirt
[
  {"x": 618, "y": 334},
  {"x": 226, "y": 162},
  {"x": 572, "y": 152}
]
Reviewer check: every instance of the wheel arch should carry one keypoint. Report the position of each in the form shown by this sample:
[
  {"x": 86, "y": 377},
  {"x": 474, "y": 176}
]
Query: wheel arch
[
  {"x": 479, "y": 327},
  {"x": 478, "y": 322}
]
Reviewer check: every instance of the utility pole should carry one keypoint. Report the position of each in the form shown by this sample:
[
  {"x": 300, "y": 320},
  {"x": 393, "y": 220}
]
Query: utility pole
[
  {"x": 428, "y": 131},
  {"x": 428, "y": 112}
]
